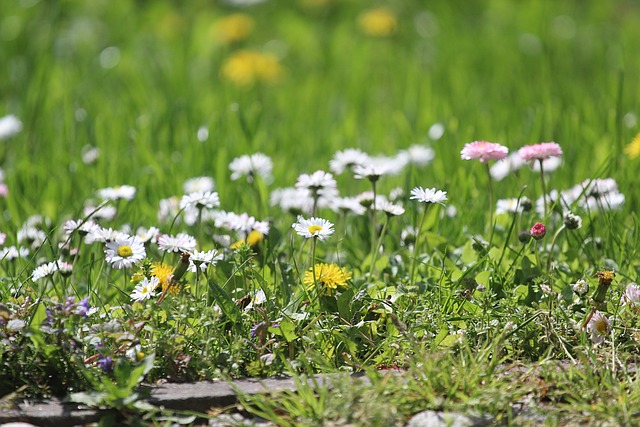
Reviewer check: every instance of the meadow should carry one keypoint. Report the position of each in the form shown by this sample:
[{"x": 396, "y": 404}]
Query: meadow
[{"x": 214, "y": 190}]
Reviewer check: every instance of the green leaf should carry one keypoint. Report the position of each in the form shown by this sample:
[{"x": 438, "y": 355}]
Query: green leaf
[
  {"x": 90, "y": 398},
  {"x": 225, "y": 302},
  {"x": 286, "y": 329},
  {"x": 344, "y": 304},
  {"x": 483, "y": 278}
]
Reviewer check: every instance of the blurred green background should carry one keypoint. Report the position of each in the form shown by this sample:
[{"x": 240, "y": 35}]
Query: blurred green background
[{"x": 163, "y": 91}]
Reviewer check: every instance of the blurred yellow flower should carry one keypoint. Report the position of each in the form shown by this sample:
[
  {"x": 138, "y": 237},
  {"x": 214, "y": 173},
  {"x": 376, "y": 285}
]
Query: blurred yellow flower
[
  {"x": 328, "y": 276},
  {"x": 247, "y": 67},
  {"x": 233, "y": 28},
  {"x": 164, "y": 274},
  {"x": 379, "y": 22},
  {"x": 633, "y": 149},
  {"x": 253, "y": 239}
]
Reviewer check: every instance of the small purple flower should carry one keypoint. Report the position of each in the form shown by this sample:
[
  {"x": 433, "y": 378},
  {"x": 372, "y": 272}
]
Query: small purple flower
[
  {"x": 49, "y": 320},
  {"x": 82, "y": 308},
  {"x": 538, "y": 230},
  {"x": 259, "y": 330},
  {"x": 105, "y": 363},
  {"x": 69, "y": 305}
]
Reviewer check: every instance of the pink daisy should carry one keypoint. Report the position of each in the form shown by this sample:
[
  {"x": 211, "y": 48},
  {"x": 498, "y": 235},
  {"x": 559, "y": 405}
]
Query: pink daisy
[
  {"x": 483, "y": 151},
  {"x": 540, "y": 151}
]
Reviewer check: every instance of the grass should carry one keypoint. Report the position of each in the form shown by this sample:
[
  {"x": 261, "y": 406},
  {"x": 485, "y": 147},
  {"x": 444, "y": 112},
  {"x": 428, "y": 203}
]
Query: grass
[{"x": 149, "y": 87}]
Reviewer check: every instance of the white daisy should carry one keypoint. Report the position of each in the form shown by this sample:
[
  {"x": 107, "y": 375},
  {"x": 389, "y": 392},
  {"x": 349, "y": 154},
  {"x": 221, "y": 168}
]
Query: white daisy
[
  {"x": 428, "y": 195},
  {"x": 631, "y": 294},
  {"x": 9, "y": 126},
  {"x": 500, "y": 169},
  {"x": 251, "y": 166},
  {"x": 396, "y": 194},
  {"x": 391, "y": 165},
  {"x": 44, "y": 270},
  {"x": 10, "y": 253},
  {"x": 598, "y": 327},
  {"x": 436, "y": 131},
  {"x": 347, "y": 159},
  {"x": 508, "y": 206},
  {"x": 258, "y": 299},
  {"x": 101, "y": 234},
  {"x": 366, "y": 198},
  {"x": 203, "y": 259},
  {"x": 389, "y": 208},
  {"x": 144, "y": 289},
  {"x": 65, "y": 268},
  {"x": 126, "y": 192},
  {"x": 200, "y": 200},
  {"x": 313, "y": 227},
  {"x": 419, "y": 155},
  {"x": 348, "y": 205},
  {"x": 169, "y": 209},
  {"x": 83, "y": 227},
  {"x": 242, "y": 223},
  {"x": 199, "y": 184},
  {"x": 370, "y": 171},
  {"x": 106, "y": 212},
  {"x": 32, "y": 236},
  {"x": 548, "y": 165},
  {"x": 90, "y": 154},
  {"x": 292, "y": 200},
  {"x": 181, "y": 242},
  {"x": 124, "y": 252},
  {"x": 147, "y": 234},
  {"x": 317, "y": 181}
]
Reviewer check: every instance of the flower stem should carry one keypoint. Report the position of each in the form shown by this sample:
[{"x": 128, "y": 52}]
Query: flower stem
[
  {"x": 374, "y": 255},
  {"x": 373, "y": 217},
  {"x": 200, "y": 226},
  {"x": 544, "y": 188},
  {"x": 313, "y": 264},
  {"x": 491, "y": 205},
  {"x": 553, "y": 244},
  {"x": 415, "y": 247}
]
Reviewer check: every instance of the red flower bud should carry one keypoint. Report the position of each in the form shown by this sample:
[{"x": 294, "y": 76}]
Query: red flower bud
[{"x": 538, "y": 230}]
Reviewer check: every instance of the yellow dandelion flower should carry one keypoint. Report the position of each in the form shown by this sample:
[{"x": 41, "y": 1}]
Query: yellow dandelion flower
[
  {"x": 163, "y": 272},
  {"x": 254, "y": 238},
  {"x": 633, "y": 149},
  {"x": 238, "y": 244},
  {"x": 328, "y": 276},
  {"x": 233, "y": 28},
  {"x": 246, "y": 68},
  {"x": 379, "y": 22}
]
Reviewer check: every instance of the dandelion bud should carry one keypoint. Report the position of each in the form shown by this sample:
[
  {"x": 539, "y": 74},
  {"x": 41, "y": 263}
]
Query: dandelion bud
[
  {"x": 524, "y": 236},
  {"x": 572, "y": 222},
  {"x": 538, "y": 230},
  {"x": 580, "y": 288},
  {"x": 604, "y": 281}
]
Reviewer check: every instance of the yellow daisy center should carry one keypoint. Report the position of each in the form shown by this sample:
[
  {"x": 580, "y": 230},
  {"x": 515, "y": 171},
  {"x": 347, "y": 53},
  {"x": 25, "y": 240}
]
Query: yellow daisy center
[
  {"x": 313, "y": 229},
  {"x": 601, "y": 327},
  {"x": 125, "y": 251}
]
